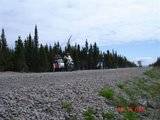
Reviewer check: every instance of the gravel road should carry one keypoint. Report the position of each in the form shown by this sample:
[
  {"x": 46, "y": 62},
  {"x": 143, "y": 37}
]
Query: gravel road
[{"x": 39, "y": 96}]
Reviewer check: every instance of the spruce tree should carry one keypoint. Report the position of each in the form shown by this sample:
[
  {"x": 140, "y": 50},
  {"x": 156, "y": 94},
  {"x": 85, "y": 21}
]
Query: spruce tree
[
  {"x": 4, "y": 53},
  {"x": 29, "y": 53},
  {"x": 44, "y": 66},
  {"x": 36, "y": 43},
  {"x": 20, "y": 64},
  {"x": 3, "y": 40},
  {"x": 35, "y": 50},
  {"x": 96, "y": 55}
]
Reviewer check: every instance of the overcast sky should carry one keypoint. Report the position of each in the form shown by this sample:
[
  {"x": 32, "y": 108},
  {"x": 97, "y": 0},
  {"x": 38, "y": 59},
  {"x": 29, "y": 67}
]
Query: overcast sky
[{"x": 132, "y": 27}]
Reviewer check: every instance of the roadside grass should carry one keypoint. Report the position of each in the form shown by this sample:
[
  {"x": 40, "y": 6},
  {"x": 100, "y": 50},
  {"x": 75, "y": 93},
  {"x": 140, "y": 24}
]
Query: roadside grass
[
  {"x": 125, "y": 96},
  {"x": 153, "y": 73},
  {"x": 132, "y": 91},
  {"x": 89, "y": 114},
  {"x": 67, "y": 106},
  {"x": 107, "y": 92},
  {"x": 130, "y": 116},
  {"x": 109, "y": 115},
  {"x": 120, "y": 101},
  {"x": 120, "y": 85}
]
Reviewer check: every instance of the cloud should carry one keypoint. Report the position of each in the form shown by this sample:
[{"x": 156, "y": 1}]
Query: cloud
[{"x": 104, "y": 21}]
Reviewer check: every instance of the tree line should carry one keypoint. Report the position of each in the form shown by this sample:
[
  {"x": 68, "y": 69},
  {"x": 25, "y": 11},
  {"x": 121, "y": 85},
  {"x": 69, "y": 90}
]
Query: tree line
[
  {"x": 31, "y": 56},
  {"x": 157, "y": 63}
]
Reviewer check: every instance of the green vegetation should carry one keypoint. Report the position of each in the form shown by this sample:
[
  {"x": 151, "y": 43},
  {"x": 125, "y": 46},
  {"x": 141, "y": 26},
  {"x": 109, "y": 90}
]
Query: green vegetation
[
  {"x": 89, "y": 114},
  {"x": 108, "y": 115},
  {"x": 67, "y": 106},
  {"x": 120, "y": 101},
  {"x": 131, "y": 92},
  {"x": 107, "y": 92},
  {"x": 31, "y": 56},
  {"x": 121, "y": 85},
  {"x": 153, "y": 73},
  {"x": 130, "y": 116},
  {"x": 157, "y": 63}
]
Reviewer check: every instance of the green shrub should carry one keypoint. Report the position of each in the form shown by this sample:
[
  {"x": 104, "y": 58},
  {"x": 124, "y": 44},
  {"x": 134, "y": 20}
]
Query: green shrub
[
  {"x": 89, "y": 114},
  {"x": 153, "y": 73},
  {"x": 120, "y": 85},
  {"x": 107, "y": 93},
  {"x": 130, "y": 116},
  {"x": 108, "y": 115},
  {"x": 66, "y": 105},
  {"x": 120, "y": 101}
]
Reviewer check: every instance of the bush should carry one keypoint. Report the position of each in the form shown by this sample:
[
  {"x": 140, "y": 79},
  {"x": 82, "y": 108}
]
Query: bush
[
  {"x": 66, "y": 105},
  {"x": 108, "y": 115},
  {"x": 89, "y": 114},
  {"x": 130, "y": 116},
  {"x": 153, "y": 73},
  {"x": 107, "y": 92},
  {"x": 120, "y": 85}
]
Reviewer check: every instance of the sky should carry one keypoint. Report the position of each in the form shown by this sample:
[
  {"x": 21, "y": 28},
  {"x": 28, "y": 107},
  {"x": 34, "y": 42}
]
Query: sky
[{"x": 131, "y": 27}]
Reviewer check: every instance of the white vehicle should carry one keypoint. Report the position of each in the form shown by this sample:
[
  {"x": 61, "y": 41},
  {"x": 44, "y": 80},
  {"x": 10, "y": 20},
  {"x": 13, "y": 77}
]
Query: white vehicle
[{"x": 58, "y": 65}]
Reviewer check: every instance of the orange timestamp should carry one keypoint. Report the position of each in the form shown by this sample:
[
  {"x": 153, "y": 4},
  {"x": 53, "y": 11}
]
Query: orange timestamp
[{"x": 138, "y": 109}]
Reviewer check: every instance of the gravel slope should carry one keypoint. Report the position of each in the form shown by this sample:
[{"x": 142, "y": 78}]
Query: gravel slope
[{"x": 25, "y": 96}]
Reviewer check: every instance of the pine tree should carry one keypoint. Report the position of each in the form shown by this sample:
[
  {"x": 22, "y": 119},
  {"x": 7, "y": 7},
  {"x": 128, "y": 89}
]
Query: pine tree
[
  {"x": 90, "y": 57},
  {"x": 20, "y": 64},
  {"x": 0, "y": 44},
  {"x": 96, "y": 55},
  {"x": 44, "y": 66},
  {"x": 4, "y": 57},
  {"x": 35, "y": 50},
  {"x": 3, "y": 40},
  {"x": 36, "y": 37},
  {"x": 29, "y": 53}
]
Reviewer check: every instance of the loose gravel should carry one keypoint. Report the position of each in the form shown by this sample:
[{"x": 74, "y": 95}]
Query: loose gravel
[{"x": 39, "y": 96}]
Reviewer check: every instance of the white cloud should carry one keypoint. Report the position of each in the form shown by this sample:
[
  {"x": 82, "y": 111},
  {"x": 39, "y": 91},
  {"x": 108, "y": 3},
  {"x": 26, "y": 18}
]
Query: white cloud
[{"x": 104, "y": 21}]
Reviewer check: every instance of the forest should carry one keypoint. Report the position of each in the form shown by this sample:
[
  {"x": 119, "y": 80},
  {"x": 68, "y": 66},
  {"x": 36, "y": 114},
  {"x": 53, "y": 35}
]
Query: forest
[{"x": 29, "y": 55}]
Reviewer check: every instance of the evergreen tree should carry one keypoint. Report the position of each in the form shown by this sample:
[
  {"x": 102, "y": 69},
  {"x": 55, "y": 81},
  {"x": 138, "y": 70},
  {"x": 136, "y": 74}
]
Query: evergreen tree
[
  {"x": 44, "y": 65},
  {"x": 20, "y": 64},
  {"x": 3, "y": 40},
  {"x": 35, "y": 50},
  {"x": 29, "y": 53},
  {"x": 0, "y": 45},
  {"x": 4, "y": 57},
  {"x": 36, "y": 37},
  {"x": 96, "y": 55}
]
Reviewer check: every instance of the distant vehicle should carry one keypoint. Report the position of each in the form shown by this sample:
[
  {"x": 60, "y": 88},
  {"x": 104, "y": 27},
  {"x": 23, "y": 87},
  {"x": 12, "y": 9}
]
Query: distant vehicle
[
  {"x": 58, "y": 65},
  {"x": 61, "y": 64}
]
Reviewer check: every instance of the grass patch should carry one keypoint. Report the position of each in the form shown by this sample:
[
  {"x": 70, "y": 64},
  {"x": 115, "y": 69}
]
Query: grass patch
[
  {"x": 130, "y": 116},
  {"x": 120, "y": 101},
  {"x": 67, "y": 106},
  {"x": 108, "y": 115},
  {"x": 89, "y": 114},
  {"x": 153, "y": 73},
  {"x": 107, "y": 92},
  {"x": 121, "y": 85}
]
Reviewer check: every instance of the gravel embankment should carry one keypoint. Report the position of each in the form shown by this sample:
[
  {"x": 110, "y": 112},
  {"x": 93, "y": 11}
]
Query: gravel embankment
[{"x": 31, "y": 96}]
